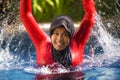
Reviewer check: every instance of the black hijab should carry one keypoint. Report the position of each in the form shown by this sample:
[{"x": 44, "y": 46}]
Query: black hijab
[{"x": 63, "y": 56}]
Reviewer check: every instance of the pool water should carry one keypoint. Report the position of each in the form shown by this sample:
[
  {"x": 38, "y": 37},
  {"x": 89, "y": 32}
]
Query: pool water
[
  {"x": 104, "y": 66},
  {"x": 98, "y": 68},
  {"x": 101, "y": 73},
  {"x": 15, "y": 75}
]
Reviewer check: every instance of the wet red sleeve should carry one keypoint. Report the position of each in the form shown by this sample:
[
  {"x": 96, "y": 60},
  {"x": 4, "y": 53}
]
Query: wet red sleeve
[
  {"x": 36, "y": 34},
  {"x": 87, "y": 23}
]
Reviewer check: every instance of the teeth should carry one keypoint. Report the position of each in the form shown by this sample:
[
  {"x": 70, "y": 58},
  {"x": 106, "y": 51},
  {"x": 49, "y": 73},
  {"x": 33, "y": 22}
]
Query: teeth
[{"x": 59, "y": 43}]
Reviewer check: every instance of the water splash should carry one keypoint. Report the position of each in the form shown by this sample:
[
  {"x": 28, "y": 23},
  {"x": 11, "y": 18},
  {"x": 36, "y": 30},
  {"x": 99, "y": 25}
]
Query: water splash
[{"x": 110, "y": 45}]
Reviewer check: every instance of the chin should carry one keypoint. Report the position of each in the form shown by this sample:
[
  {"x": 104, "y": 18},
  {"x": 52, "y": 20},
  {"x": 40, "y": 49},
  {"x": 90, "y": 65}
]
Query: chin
[{"x": 59, "y": 49}]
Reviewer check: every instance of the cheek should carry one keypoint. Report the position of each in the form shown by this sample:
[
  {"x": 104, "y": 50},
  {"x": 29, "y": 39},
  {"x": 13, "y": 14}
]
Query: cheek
[
  {"x": 52, "y": 39},
  {"x": 67, "y": 41}
]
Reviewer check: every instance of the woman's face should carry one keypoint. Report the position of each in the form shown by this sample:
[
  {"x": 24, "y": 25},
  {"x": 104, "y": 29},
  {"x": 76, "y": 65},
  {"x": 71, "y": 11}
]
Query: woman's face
[{"x": 60, "y": 38}]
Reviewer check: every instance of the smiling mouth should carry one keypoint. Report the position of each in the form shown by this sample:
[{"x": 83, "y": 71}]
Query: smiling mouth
[{"x": 59, "y": 44}]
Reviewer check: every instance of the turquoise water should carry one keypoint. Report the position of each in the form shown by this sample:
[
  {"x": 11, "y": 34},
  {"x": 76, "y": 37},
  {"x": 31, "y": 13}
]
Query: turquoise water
[
  {"x": 104, "y": 66},
  {"x": 103, "y": 73},
  {"x": 101, "y": 67},
  {"x": 100, "y": 73},
  {"x": 15, "y": 75}
]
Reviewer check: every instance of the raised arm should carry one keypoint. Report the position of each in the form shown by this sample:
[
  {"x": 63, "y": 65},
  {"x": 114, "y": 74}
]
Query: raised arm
[
  {"x": 87, "y": 23},
  {"x": 36, "y": 34}
]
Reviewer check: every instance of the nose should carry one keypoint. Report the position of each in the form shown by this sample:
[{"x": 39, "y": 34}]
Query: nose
[{"x": 60, "y": 37}]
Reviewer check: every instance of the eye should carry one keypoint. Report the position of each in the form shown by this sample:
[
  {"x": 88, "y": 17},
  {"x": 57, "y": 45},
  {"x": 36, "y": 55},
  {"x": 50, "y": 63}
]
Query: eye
[
  {"x": 55, "y": 33},
  {"x": 66, "y": 34}
]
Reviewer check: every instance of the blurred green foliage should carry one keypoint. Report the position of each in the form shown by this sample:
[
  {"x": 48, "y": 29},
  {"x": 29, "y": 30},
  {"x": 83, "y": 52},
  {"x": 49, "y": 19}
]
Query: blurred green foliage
[{"x": 45, "y": 10}]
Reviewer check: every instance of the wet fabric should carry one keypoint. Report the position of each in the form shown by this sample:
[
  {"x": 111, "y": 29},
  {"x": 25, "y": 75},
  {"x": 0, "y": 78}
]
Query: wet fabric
[
  {"x": 63, "y": 56},
  {"x": 64, "y": 21}
]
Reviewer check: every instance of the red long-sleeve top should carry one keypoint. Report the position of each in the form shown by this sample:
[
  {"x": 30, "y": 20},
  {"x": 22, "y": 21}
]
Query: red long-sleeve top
[{"x": 42, "y": 41}]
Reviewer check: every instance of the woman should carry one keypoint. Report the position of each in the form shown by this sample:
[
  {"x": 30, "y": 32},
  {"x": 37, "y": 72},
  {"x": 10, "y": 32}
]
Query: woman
[{"x": 63, "y": 45}]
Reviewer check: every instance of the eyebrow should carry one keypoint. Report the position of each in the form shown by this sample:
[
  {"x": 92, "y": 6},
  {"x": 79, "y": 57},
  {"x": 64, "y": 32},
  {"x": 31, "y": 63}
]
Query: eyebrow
[{"x": 63, "y": 32}]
